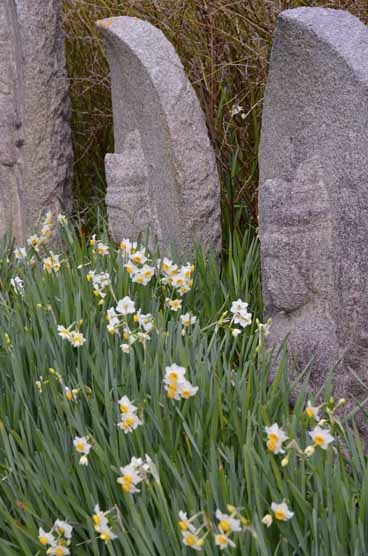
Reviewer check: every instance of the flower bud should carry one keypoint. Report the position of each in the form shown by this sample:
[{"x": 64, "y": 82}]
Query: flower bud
[
  {"x": 267, "y": 520},
  {"x": 309, "y": 451}
]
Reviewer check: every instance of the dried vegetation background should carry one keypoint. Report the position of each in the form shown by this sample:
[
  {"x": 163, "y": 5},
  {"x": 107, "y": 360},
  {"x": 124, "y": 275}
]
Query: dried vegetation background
[{"x": 224, "y": 46}]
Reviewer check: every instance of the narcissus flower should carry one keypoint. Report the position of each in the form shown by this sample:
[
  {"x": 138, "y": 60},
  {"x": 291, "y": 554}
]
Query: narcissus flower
[
  {"x": 174, "y": 304},
  {"x": 223, "y": 541},
  {"x": 63, "y": 332},
  {"x": 281, "y": 511},
  {"x": 312, "y": 411},
  {"x": 227, "y": 524},
  {"x": 20, "y": 253},
  {"x": 192, "y": 540},
  {"x": 45, "y": 538},
  {"x": 129, "y": 422},
  {"x": 138, "y": 257},
  {"x": 77, "y": 339},
  {"x": 106, "y": 534},
  {"x": 127, "y": 246},
  {"x": 275, "y": 438},
  {"x": 188, "y": 319},
  {"x": 102, "y": 249},
  {"x": 82, "y": 445},
  {"x": 125, "y": 306},
  {"x": 184, "y": 523},
  {"x": 321, "y": 437},
  {"x": 58, "y": 550}
]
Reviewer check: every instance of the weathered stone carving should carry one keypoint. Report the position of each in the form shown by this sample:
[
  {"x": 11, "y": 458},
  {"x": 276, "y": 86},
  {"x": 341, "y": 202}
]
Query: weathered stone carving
[
  {"x": 313, "y": 195},
  {"x": 164, "y": 171},
  {"x": 35, "y": 138}
]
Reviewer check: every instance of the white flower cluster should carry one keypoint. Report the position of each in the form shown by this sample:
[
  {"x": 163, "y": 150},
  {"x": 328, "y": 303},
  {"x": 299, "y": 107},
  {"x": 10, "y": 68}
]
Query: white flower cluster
[
  {"x": 118, "y": 319},
  {"x": 101, "y": 525},
  {"x": 136, "y": 472},
  {"x": 193, "y": 536},
  {"x": 100, "y": 282},
  {"x": 176, "y": 385},
  {"x": 129, "y": 419},
  {"x": 59, "y": 538},
  {"x": 179, "y": 278},
  {"x": 74, "y": 337},
  {"x": 136, "y": 263},
  {"x": 36, "y": 241},
  {"x": 241, "y": 316},
  {"x": 51, "y": 263}
]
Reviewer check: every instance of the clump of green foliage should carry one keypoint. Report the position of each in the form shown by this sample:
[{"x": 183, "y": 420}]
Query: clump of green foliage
[{"x": 210, "y": 451}]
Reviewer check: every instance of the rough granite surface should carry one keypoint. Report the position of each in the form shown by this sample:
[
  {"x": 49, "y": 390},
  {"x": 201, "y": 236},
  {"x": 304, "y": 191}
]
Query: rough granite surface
[
  {"x": 163, "y": 174},
  {"x": 313, "y": 196},
  {"x": 35, "y": 137}
]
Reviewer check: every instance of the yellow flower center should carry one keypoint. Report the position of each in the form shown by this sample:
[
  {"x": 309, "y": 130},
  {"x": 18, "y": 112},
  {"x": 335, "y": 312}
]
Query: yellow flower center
[
  {"x": 127, "y": 483},
  {"x": 222, "y": 540},
  {"x": 280, "y": 515},
  {"x": 186, "y": 393},
  {"x": 272, "y": 445},
  {"x": 59, "y": 551},
  {"x": 309, "y": 411},
  {"x": 140, "y": 279},
  {"x": 124, "y": 408},
  {"x": 129, "y": 269},
  {"x": 79, "y": 446},
  {"x": 43, "y": 540},
  {"x": 105, "y": 536},
  {"x": 69, "y": 396},
  {"x": 319, "y": 440},
  {"x": 190, "y": 540},
  {"x": 183, "y": 526},
  {"x": 97, "y": 519},
  {"x": 172, "y": 390},
  {"x": 173, "y": 376},
  {"x": 224, "y": 526}
]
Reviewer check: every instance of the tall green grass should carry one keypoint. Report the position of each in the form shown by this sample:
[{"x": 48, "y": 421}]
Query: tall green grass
[
  {"x": 224, "y": 46},
  {"x": 210, "y": 450}
]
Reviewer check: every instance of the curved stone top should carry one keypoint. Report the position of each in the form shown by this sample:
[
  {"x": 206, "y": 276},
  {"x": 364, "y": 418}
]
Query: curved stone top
[
  {"x": 151, "y": 94},
  {"x": 338, "y": 29}
]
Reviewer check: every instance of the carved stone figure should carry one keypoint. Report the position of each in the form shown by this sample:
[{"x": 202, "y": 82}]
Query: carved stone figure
[
  {"x": 313, "y": 195},
  {"x": 35, "y": 138},
  {"x": 163, "y": 175}
]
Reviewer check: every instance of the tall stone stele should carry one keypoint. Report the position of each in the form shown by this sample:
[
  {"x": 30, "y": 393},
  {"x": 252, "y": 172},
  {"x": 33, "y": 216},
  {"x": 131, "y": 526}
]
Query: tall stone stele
[
  {"x": 313, "y": 195},
  {"x": 35, "y": 137},
  {"x": 163, "y": 174}
]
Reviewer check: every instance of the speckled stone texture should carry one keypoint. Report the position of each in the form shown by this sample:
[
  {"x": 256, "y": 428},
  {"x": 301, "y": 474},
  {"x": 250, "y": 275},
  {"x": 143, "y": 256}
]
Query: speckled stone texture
[
  {"x": 35, "y": 137},
  {"x": 313, "y": 196},
  {"x": 163, "y": 175}
]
